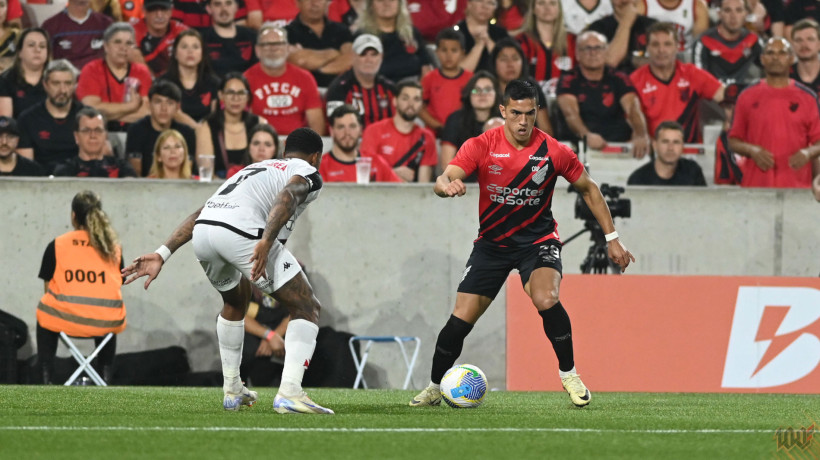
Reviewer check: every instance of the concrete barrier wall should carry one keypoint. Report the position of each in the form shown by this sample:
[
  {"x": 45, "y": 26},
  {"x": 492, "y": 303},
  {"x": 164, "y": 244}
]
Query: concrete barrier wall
[{"x": 386, "y": 259}]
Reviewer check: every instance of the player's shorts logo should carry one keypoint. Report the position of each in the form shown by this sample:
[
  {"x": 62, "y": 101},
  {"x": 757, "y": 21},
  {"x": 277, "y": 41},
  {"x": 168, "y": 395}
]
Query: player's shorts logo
[{"x": 775, "y": 338}]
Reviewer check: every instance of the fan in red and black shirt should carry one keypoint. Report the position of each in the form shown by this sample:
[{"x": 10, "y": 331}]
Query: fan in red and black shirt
[
  {"x": 339, "y": 164},
  {"x": 91, "y": 160},
  {"x": 729, "y": 51},
  {"x": 517, "y": 168}
]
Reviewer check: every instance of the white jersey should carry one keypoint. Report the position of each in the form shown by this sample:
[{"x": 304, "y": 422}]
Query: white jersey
[
  {"x": 243, "y": 202},
  {"x": 681, "y": 16},
  {"x": 577, "y": 18}
]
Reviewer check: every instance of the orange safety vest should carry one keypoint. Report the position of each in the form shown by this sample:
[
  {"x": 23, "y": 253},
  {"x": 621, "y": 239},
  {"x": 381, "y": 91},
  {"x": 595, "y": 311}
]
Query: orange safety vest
[{"x": 84, "y": 298}]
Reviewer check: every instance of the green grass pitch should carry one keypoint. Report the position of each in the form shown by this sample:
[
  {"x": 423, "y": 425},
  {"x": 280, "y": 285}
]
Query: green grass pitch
[{"x": 58, "y": 422}]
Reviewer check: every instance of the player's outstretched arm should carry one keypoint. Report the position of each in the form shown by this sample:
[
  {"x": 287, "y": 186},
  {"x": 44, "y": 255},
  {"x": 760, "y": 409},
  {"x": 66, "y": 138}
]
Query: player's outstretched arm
[
  {"x": 285, "y": 204},
  {"x": 597, "y": 204},
  {"x": 150, "y": 264},
  {"x": 450, "y": 182}
]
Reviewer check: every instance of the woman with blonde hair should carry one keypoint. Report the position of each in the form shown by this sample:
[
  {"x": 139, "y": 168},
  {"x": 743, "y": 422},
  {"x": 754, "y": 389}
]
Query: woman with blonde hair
[
  {"x": 405, "y": 53},
  {"x": 83, "y": 297},
  {"x": 547, "y": 46},
  {"x": 171, "y": 158}
]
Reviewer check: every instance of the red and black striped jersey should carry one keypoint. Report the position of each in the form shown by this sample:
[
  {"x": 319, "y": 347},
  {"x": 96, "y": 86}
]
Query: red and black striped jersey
[
  {"x": 543, "y": 63},
  {"x": 192, "y": 13},
  {"x": 517, "y": 186},
  {"x": 374, "y": 103},
  {"x": 729, "y": 60}
]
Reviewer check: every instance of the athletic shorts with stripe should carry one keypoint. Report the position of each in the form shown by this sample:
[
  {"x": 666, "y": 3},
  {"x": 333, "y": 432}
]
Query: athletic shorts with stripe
[
  {"x": 489, "y": 265},
  {"x": 225, "y": 256}
]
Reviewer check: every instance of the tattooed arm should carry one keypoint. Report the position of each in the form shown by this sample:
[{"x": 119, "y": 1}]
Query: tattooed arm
[{"x": 150, "y": 264}]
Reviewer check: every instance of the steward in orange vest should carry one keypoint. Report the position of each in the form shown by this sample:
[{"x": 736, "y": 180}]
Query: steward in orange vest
[{"x": 83, "y": 297}]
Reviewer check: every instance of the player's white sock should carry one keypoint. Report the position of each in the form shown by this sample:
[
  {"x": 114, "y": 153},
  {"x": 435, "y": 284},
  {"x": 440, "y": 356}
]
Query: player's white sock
[
  {"x": 300, "y": 341},
  {"x": 435, "y": 386},
  {"x": 231, "y": 335},
  {"x": 563, "y": 374}
]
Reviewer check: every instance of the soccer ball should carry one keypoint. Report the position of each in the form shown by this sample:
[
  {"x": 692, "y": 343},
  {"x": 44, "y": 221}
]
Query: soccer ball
[{"x": 463, "y": 386}]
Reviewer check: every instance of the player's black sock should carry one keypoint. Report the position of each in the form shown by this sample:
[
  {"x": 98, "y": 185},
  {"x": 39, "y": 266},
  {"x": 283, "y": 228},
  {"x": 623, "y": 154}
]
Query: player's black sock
[
  {"x": 559, "y": 331},
  {"x": 448, "y": 346}
]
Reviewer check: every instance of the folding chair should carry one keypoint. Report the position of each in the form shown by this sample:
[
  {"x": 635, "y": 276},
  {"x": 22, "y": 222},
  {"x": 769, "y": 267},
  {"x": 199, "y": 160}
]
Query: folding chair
[
  {"x": 85, "y": 362},
  {"x": 410, "y": 362}
]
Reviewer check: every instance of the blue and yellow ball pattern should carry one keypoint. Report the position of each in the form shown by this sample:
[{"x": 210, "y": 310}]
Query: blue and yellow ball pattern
[{"x": 463, "y": 386}]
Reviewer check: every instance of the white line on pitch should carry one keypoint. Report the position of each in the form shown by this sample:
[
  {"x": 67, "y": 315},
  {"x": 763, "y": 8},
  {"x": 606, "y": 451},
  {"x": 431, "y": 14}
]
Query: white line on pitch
[{"x": 384, "y": 430}]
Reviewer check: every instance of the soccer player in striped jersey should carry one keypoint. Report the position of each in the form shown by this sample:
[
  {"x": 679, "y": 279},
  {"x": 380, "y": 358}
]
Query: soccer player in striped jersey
[{"x": 517, "y": 168}]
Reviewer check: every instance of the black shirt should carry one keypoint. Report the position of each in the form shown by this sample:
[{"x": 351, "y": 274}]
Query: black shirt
[
  {"x": 608, "y": 25},
  {"x": 401, "y": 61},
  {"x": 687, "y": 173},
  {"x": 25, "y": 167},
  {"x": 230, "y": 54},
  {"x": 799, "y": 9},
  {"x": 496, "y": 33},
  {"x": 814, "y": 85},
  {"x": 107, "y": 167},
  {"x": 22, "y": 94},
  {"x": 142, "y": 136},
  {"x": 599, "y": 102},
  {"x": 224, "y": 158},
  {"x": 51, "y": 138},
  {"x": 196, "y": 102},
  {"x": 334, "y": 35},
  {"x": 453, "y": 133}
]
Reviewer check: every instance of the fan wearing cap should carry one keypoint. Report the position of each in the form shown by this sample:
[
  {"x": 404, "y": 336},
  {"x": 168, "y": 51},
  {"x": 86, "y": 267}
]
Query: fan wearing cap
[
  {"x": 11, "y": 163},
  {"x": 155, "y": 35},
  {"x": 321, "y": 46},
  {"x": 363, "y": 86}
]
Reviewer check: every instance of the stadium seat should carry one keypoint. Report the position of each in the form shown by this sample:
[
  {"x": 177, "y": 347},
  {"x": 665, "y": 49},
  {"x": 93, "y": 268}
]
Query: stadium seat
[
  {"x": 85, "y": 362},
  {"x": 410, "y": 362},
  {"x": 34, "y": 14}
]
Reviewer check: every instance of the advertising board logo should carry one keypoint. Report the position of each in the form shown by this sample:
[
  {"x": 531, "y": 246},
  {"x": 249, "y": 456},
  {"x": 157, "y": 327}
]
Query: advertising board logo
[{"x": 775, "y": 337}]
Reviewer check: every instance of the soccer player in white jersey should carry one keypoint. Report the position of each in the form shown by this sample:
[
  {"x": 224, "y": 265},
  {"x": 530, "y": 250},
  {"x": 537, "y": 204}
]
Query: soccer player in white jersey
[{"x": 238, "y": 238}]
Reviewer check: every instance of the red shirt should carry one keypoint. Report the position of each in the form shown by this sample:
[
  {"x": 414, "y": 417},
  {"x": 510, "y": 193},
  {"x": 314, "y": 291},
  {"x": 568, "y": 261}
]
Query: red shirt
[
  {"x": 418, "y": 148},
  {"x": 333, "y": 169},
  {"x": 278, "y": 11},
  {"x": 676, "y": 99},
  {"x": 441, "y": 94},
  {"x": 517, "y": 186},
  {"x": 430, "y": 16},
  {"x": 96, "y": 79},
  {"x": 283, "y": 100},
  {"x": 782, "y": 121}
]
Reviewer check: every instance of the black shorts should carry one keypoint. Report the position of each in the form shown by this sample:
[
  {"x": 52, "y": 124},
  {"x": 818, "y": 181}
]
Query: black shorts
[{"x": 489, "y": 265}]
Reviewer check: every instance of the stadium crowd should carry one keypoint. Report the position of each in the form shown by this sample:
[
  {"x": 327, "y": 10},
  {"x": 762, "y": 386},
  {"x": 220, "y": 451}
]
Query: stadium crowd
[{"x": 143, "y": 88}]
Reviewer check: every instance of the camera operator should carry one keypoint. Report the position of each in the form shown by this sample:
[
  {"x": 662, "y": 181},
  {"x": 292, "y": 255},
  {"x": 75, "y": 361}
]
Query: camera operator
[{"x": 667, "y": 166}]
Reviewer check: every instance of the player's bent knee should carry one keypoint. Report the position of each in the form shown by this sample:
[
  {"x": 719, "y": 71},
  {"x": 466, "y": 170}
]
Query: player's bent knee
[{"x": 546, "y": 301}]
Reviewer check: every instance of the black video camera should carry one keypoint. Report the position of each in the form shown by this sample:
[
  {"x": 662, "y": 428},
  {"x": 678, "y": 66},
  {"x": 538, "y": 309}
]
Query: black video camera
[{"x": 618, "y": 207}]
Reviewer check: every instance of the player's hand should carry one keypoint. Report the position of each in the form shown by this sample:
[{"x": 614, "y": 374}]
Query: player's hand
[
  {"x": 264, "y": 348},
  {"x": 619, "y": 254},
  {"x": 455, "y": 188},
  {"x": 145, "y": 265},
  {"x": 640, "y": 146},
  {"x": 595, "y": 141},
  {"x": 259, "y": 259},
  {"x": 799, "y": 159},
  {"x": 406, "y": 174},
  {"x": 763, "y": 158}
]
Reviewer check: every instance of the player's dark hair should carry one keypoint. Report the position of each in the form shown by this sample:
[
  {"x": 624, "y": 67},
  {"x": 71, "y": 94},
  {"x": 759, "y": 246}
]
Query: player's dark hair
[
  {"x": 88, "y": 213},
  {"x": 303, "y": 141},
  {"x": 342, "y": 110},
  {"x": 409, "y": 82},
  {"x": 520, "y": 89},
  {"x": 668, "y": 124},
  {"x": 87, "y": 112},
  {"x": 165, "y": 88},
  {"x": 450, "y": 34},
  {"x": 467, "y": 127}
]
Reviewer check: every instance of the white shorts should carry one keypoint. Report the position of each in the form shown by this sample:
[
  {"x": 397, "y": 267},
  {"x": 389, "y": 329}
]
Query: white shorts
[{"x": 225, "y": 256}]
